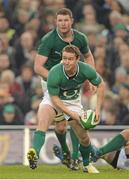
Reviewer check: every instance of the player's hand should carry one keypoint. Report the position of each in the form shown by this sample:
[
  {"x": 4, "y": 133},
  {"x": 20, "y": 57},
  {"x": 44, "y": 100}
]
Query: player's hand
[
  {"x": 97, "y": 115},
  {"x": 93, "y": 88},
  {"x": 75, "y": 116},
  {"x": 88, "y": 87}
]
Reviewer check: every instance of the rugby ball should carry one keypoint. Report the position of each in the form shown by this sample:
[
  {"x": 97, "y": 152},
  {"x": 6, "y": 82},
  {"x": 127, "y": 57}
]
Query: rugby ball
[{"x": 87, "y": 119}]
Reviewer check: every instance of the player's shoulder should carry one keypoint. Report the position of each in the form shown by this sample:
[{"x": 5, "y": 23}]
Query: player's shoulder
[
  {"x": 84, "y": 65},
  {"x": 57, "y": 68},
  {"x": 55, "y": 73},
  {"x": 79, "y": 34},
  {"x": 51, "y": 34},
  {"x": 85, "y": 68}
]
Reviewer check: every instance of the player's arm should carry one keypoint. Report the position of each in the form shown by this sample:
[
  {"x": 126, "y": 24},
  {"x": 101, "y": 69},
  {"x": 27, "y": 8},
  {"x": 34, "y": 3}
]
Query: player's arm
[
  {"x": 89, "y": 59},
  {"x": 100, "y": 98},
  {"x": 39, "y": 66},
  {"x": 97, "y": 81},
  {"x": 60, "y": 105},
  {"x": 43, "y": 52}
]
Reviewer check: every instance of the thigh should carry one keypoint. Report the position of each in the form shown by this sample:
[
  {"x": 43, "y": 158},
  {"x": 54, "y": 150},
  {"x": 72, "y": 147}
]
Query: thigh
[{"x": 45, "y": 115}]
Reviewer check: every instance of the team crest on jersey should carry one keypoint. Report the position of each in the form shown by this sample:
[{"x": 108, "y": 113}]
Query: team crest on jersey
[{"x": 70, "y": 94}]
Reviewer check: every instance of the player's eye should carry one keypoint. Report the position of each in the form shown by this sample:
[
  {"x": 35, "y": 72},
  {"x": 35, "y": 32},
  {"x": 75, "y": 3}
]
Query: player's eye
[{"x": 64, "y": 58}]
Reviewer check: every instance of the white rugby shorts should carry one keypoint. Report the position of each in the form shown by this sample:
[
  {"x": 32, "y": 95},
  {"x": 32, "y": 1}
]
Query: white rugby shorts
[{"x": 73, "y": 105}]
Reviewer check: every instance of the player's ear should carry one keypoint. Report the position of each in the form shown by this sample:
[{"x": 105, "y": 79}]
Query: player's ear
[
  {"x": 72, "y": 20},
  {"x": 78, "y": 59},
  {"x": 55, "y": 21}
]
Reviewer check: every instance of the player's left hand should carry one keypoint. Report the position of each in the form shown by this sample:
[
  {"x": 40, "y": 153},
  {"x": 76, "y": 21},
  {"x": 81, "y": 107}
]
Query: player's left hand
[{"x": 97, "y": 115}]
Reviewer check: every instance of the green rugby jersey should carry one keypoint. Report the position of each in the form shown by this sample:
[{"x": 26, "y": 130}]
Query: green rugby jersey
[
  {"x": 59, "y": 84},
  {"x": 51, "y": 46}
]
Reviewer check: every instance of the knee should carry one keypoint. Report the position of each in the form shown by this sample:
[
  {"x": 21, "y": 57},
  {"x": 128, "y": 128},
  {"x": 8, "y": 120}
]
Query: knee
[
  {"x": 125, "y": 134},
  {"x": 61, "y": 127}
]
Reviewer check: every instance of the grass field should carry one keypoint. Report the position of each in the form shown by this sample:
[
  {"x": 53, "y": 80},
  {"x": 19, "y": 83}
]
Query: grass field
[{"x": 59, "y": 172}]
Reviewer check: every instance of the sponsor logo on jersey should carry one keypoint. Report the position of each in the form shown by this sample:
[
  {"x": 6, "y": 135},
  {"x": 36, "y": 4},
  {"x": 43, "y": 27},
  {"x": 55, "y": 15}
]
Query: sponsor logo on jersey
[{"x": 56, "y": 52}]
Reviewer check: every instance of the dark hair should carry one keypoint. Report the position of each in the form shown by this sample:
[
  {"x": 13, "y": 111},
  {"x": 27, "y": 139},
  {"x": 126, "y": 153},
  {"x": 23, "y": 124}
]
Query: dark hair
[
  {"x": 64, "y": 11},
  {"x": 72, "y": 49}
]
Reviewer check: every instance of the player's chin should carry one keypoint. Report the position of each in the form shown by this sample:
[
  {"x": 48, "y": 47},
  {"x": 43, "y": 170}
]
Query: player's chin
[
  {"x": 64, "y": 31},
  {"x": 67, "y": 68}
]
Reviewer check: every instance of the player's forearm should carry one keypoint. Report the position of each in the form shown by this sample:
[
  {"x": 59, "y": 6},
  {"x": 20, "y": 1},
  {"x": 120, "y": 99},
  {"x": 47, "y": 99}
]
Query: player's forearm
[
  {"x": 60, "y": 105},
  {"x": 39, "y": 68},
  {"x": 89, "y": 59},
  {"x": 100, "y": 95},
  {"x": 43, "y": 72}
]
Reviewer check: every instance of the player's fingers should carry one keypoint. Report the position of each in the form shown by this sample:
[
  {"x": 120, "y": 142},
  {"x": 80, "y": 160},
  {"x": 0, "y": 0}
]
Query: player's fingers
[
  {"x": 93, "y": 89},
  {"x": 97, "y": 119}
]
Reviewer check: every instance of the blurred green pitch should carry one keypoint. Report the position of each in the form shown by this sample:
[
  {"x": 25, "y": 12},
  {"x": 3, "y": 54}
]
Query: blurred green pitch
[{"x": 59, "y": 172}]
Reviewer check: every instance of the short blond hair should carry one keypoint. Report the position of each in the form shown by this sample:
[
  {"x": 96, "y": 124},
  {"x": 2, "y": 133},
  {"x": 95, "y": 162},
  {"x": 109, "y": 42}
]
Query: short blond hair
[{"x": 72, "y": 49}]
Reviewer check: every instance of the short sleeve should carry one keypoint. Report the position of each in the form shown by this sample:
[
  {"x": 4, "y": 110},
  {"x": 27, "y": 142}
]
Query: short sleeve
[
  {"x": 92, "y": 75},
  {"x": 85, "y": 45},
  {"x": 45, "y": 46}
]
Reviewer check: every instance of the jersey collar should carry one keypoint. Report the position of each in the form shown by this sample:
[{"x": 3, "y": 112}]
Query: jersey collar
[
  {"x": 61, "y": 36},
  {"x": 73, "y": 75}
]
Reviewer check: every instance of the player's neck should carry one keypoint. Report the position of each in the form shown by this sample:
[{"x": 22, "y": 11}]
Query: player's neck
[
  {"x": 67, "y": 37},
  {"x": 72, "y": 72}
]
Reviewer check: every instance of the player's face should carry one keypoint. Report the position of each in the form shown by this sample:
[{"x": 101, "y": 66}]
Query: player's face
[
  {"x": 69, "y": 61},
  {"x": 64, "y": 23}
]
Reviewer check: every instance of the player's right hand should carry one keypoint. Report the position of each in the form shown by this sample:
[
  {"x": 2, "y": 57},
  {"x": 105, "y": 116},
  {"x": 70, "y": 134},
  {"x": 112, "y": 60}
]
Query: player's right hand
[
  {"x": 97, "y": 115},
  {"x": 75, "y": 116}
]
